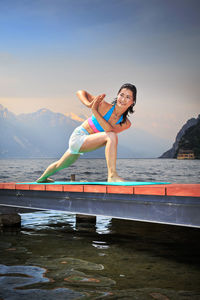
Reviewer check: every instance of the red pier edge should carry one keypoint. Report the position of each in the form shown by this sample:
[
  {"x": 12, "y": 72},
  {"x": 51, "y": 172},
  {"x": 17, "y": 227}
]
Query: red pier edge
[{"x": 188, "y": 190}]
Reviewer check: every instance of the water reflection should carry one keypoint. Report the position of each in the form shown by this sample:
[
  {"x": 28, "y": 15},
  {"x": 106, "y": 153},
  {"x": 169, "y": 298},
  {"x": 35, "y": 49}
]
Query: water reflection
[
  {"x": 100, "y": 245},
  {"x": 44, "y": 220},
  {"x": 103, "y": 225}
]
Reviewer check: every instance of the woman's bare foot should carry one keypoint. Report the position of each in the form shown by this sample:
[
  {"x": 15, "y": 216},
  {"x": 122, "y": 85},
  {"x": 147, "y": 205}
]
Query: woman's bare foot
[
  {"x": 115, "y": 178},
  {"x": 46, "y": 180}
]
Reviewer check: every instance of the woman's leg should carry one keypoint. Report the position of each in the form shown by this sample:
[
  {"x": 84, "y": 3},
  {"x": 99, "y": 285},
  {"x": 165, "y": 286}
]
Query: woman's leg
[
  {"x": 65, "y": 161},
  {"x": 92, "y": 142},
  {"x": 110, "y": 141}
]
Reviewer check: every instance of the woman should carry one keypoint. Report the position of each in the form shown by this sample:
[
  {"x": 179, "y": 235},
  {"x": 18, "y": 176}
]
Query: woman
[{"x": 99, "y": 130}]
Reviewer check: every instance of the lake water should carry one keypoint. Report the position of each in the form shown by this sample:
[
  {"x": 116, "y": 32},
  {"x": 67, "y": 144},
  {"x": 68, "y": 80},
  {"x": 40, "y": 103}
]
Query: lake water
[{"x": 53, "y": 257}]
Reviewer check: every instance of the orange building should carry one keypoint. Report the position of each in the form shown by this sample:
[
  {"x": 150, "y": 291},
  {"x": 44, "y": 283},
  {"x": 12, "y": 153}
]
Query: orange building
[{"x": 185, "y": 154}]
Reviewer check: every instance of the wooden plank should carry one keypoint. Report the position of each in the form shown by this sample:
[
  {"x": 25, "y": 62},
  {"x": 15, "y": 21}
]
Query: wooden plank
[
  {"x": 54, "y": 187},
  {"x": 94, "y": 188},
  {"x": 73, "y": 188},
  {"x": 114, "y": 189},
  {"x": 191, "y": 190},
  {"x": 22, "y": 186},
  {"x": 150, "y": 190},
  {"x": 9, "y": 186},
  {"x": 37, "y": 187}
]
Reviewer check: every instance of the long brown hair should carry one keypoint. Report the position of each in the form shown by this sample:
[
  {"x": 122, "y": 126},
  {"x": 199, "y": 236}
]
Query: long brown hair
[{"x": 130, "y": 110}]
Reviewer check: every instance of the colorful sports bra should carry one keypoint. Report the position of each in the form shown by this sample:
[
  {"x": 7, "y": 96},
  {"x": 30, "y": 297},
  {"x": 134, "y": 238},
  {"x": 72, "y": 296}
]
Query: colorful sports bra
[{"x": 94, "y": 124}]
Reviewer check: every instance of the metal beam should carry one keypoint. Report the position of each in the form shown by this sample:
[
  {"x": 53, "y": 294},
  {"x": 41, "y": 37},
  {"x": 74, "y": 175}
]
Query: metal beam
[{"x": 174, "y": 210}]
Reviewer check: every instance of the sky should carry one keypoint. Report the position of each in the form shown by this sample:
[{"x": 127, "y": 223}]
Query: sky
[{"x": 49, "y": 49}]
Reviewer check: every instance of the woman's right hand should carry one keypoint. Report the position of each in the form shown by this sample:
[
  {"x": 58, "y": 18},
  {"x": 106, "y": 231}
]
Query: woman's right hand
[{"x": 86, "y": 98}]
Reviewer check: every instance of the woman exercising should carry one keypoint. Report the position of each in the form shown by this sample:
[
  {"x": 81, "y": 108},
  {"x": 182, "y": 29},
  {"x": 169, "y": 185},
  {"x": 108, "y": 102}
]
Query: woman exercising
[{"x": 101, "y": 129}]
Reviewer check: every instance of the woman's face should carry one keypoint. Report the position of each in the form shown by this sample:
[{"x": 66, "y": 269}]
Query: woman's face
[{"x": 125, "y": 98}]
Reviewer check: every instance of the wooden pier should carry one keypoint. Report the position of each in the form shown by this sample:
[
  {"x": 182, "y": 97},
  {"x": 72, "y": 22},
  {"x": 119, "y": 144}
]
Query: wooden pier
[{"x": 175, "y": 204}]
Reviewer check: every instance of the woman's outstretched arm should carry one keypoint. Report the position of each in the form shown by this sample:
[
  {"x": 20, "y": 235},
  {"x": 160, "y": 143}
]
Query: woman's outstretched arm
[{"x": 85, "y": 97}]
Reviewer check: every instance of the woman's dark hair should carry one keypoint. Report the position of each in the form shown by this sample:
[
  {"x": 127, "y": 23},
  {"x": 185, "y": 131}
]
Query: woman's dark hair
[{"x": 130, "y": 110}]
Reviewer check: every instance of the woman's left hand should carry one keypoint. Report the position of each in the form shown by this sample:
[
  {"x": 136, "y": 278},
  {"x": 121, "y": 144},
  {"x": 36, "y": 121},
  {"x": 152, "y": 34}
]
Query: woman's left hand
[{"x": 97, "y": 100}]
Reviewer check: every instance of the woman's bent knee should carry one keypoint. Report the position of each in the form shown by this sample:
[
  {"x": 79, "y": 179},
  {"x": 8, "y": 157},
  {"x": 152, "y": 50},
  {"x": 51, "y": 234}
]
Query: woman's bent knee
[{"x": 112, "y": 136}]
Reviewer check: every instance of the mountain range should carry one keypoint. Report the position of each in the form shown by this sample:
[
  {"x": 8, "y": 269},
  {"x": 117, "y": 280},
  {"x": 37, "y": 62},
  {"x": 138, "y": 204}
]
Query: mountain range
[{"x": 45, "y": 134}]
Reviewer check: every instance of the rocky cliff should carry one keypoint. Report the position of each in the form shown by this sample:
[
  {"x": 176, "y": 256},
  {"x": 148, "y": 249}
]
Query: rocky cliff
[
  {"x": 191, "y": 140},
  {"x": 186, "y": 139}
]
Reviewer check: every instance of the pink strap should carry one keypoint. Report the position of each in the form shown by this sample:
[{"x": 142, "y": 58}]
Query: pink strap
[{"x": 92, "y": 125}]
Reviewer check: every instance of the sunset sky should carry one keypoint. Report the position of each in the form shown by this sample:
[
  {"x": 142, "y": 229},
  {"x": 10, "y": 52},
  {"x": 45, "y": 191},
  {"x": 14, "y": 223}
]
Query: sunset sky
[{"x": 49, "y": 49}]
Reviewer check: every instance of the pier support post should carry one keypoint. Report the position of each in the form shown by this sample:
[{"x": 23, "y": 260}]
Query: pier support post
[
  {"x": 85, "y": 219},
  {"x": 85, "y": 222},
  {"x": 72, "y": 178},
  {"x": 10, "y": 220}
]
